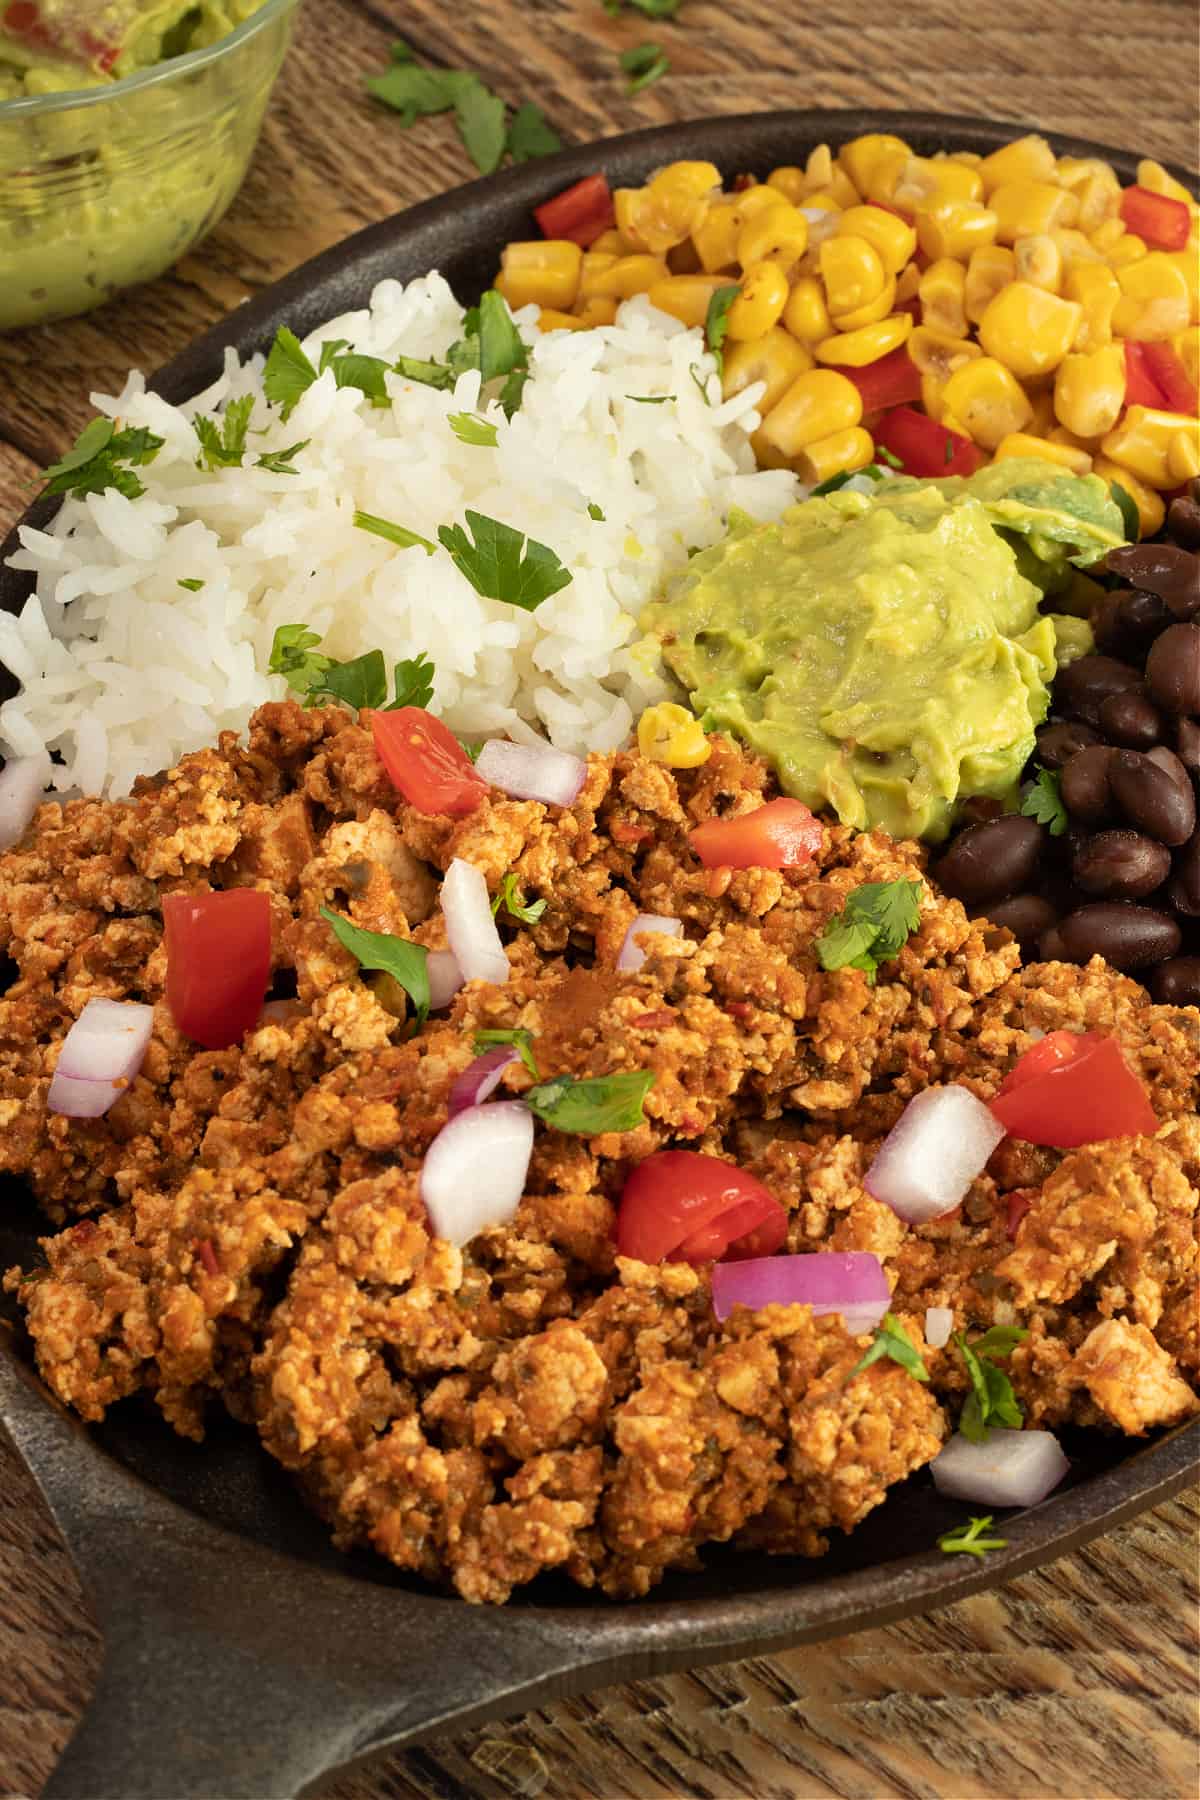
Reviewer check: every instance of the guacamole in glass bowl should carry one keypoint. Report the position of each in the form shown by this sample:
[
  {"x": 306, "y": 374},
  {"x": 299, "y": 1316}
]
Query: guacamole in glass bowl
[{"x": 125, "y": 131}]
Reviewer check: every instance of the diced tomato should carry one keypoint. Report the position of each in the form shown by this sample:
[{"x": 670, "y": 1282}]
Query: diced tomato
[
  {"x": 1141, "y": 389},
  {"x": 680, "y": 1206},
  {"x": 780, "y": 835},
  {"x": 1171, "y": 378},
  {"x": 892, "y": 381},
  {"x": 925, "y": 447},
  {"x": 1074, "y": 1088},
  {"x": 426, "y": 762},
  {"x": 218, "y": 962},
  {"x": 1163, "y": 223},
  {"x": 70, "y": 39},
  {"x": 579, "y": 213}
]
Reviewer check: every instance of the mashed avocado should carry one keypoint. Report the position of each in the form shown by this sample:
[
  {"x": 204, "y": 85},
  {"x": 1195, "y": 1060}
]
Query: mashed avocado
[
  {"x": 66, "y": 44},
  {"x": 886, "y": 652}
]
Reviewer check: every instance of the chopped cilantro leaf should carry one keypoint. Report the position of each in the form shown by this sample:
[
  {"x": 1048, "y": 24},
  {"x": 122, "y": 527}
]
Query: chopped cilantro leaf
[
  {"x": 716, "y": 322},
  {"x": 1129, "y": 512},
  {"x": 510, "y": 898},
  {"x": 331, "y": 349},
  {"x": 293, "y": 656},
  {"x": 511, "y": 392},
  {"x": 892, "y": 1340},
  {"x": 404, "y": 962},
  {"x": 991, "y": 1400},
  {"x": 103, "y": 458},
  {"x": 279, "y": 462},
  {"x": 596, "y": 512},
  {"x": 429, "y": 374},
  {"x": 480, "y": 116},
  {"x": 470, "y": 750},
  {"x": 191, "y": 584},
  {"x": 96, "y": 436},
  {"x": 520, "y": 1039},
  {"x": 889, "y": 456},
  {"x": 503, "y": 564},
  {"x": 643, "y": 64},
  {"x": 400, "y": 535},
  {"x": 1043, "y": 801},
  {"x": 401, "y": 52},
  {"x": 872, "y": 927},
  {"x": 650, "y": 399},
  {"x": 969, "y": 1537},
  {"x": 839, "y": 480},
  {"x": 501, "y": 346},
  {"x": 360, "y": 682},
  {"x": 288, "y": 373},
  {"x": 470, "y": 429},
  {"x": 588, "y": 1108},
  {"x": 530, "y": 134},
  {"x": 700, "y": 381},
  {"x": 223, "y": 440},
  {"x": 366, "y": 373},
  {"x": 653, "y": 9},
  {"x": 414, "y": 683}
]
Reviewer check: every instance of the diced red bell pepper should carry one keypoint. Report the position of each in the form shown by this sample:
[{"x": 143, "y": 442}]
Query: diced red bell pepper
[
  {"x": 892, "y": 381},
  {"x": 1141, "y": 389},
  {"x": 579, "y": 213},
  {"x": 923, "y": 446},
  {"x": 1161, "y": 222},
  {"x": 1166, "y": 368}
]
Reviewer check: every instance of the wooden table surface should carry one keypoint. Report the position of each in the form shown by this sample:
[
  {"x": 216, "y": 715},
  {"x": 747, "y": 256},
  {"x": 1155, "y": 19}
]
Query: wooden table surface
[{"x": 1074, "y": 1682}]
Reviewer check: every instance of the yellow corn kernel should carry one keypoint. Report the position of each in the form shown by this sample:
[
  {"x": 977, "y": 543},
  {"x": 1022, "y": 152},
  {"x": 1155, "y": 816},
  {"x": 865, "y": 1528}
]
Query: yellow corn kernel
[
  {"x": 955, "y": 228},
  {"x": 752, "y": 201},
  {"x": 872, "y": 312},
  {"x": 1188, "y": 264},
  {"x": 817, "y": 404},
  {"x": 855, "y": 349},
  {"x": 1042, "y": 401},
  {"x": 778, "y": 235},
  {"x": 1058, "y": 434},
  {"x": 932, "y": 389},
  {"x": 937, "y": 354},
  {"x": 841, "y": 451},
  {"x": 1025, "y": 207},
  {"x": 1106, "y": 234},
  {"x": 790, "y": 183},
  {"x": 594, "y": 264},
  {"x": 852, "y": 273},
  {"x": 549, "y": 319},
  {"x": 775, "y": 358},
  {"x": 544, "y": 273},
  {"x": 625, "y": 202},
  {"x": 1073, "y": 171},
  {"x": 1029, "y": 330},
  {"x": 1017, "y": 443},
  {"x": 818, "y": 170},
  {"x": 908, "y": 283},
  {"x": 1099, "y": 201},
  {"x": 1155, "y": 303},
  {"x": 685, "y": 297},
  {"x": 610, "y": 243},
  {"x": 631, "y": 275},
  {"x": 1129, "y": 248},
  {"x": 893, "y": 240},
  {"x": 806, "y": 314},
  {"x": 926, "y": 181},
  {"x": 990, "y": 268},
  {"x": 826, "y": 200},
  {"x": 1152, "y": 175},
  {"x": 1039, "y": 260},
  {"x": 1074, "y": 247},
  {"x": 673, "y": 736},
  {"x": 1025, "y": 159},
  {"x": 875, "y": 163},
  {"x": 1155, "y": 446},
  {"x": 597, "y": 309},
  {"x": 1089, "y": 391},
  {"x": 1097, "y": 291},
  {"x": 669, "y": 208},
  {"x": 941, "y": 290},
  {"x": 988, "y": 400},
  {"x": 760, "y": 304},
  {"x": 1151, "y": 510},
  {"x": 715, "y": 238},
  {"x": 1187, "y": 348}
]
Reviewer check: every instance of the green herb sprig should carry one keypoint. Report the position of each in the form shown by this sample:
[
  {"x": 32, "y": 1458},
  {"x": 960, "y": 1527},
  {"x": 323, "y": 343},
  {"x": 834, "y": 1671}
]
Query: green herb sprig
[
  {"x": 480, "y": 114},
  {"x": 991, "y": 1400},
  {"x": 513, "y": 901},
  {"x": 1043, "y": 801},
  {"x": 501, "y": 563},
  {"x": 872, "y": 927},
  {"x": 970, "y": 1538},
  {"x": 516, "y": 1035},
  {"x": 103, "y": 457},
  {"x": 394, "y": 956},
  {"x": 591, "y": 1107},
  {"x": 893, "y": 1341}
]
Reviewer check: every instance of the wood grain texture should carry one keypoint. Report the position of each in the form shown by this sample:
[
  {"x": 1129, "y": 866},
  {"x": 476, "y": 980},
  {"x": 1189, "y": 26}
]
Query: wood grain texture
[{"x": 1076, "y": 1682}]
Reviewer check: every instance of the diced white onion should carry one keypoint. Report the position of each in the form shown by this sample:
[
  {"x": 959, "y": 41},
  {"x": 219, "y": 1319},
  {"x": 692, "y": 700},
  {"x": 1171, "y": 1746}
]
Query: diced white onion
[
  {"x": 445, "y": 978},
  {"x": 536, "y": 772},
  {"x": 940, "y": 1143},
  {"x": 22, "y": 783},
  {"x": 470, "y": 925},
  {"x": 100, "y": 1056},
  {"x": 1010, "y": 1468},
  {"x": 939, "y": 1323},
  {"x": 632, "y": 956},
  {"x": 475, "y": 1169}
]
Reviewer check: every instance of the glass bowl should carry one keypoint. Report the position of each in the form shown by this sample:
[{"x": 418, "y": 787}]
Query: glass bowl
[{"x": 107, "y": 186}]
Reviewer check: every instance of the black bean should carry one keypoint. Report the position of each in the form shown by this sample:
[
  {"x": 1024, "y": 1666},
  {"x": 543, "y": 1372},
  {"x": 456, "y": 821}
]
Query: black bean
[
  {"x": 978, "y": 809},
  {"x": 1086, "y": 793},
  {"x": 1083, "y": 684},
  {"x": 1128, "y": 937},
  {"x": 1187, "y": 744},
  {"x": 1176, "y": 982},
  {"x": 1051, "y": 947},
  {"x": 1173, "y": 669},
  {"x": 1162, "y": 569},
  {"x": 1056, "y": 744},
  {"x": 1122, "y": 865},
  {"x": 1152, "y": 797},
  {"x": 991, "y": 861},
  {"x": 1109, "y": 626},
  {"x": 1183, "y": 522},
  {"x": 1143, "y": 615},
  {"x": 1167, "y": 759},
  {"x": 1131, "y": 720},
  {"x": 1185, "y": 889},
  {"x": 1027, "y": 916}
]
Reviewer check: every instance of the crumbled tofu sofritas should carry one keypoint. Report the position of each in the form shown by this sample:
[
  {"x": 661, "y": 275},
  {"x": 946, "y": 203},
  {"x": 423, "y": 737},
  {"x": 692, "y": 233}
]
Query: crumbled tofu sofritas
[{"x": 248, "y": 1229}]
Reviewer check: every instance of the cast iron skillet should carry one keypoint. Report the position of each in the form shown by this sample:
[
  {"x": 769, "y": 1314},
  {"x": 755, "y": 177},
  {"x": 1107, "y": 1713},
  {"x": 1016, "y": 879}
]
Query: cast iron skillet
[{"x": 243, "y": 1656}]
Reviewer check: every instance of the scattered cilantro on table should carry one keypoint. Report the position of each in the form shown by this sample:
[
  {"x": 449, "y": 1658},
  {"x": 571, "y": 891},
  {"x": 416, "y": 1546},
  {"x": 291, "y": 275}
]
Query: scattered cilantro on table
[
  {"x": 872, "y": 927},
  {"x": 969, "y": 1537},
  {"x": 405, "y": 962},
  {"x": 991, "y": 1400},
  {"x": 481, "y": 115},
  {"x": 892, "y": 1340},
  {"x": 1043, "y": 801},
  {"x": 643, "y": 64}
]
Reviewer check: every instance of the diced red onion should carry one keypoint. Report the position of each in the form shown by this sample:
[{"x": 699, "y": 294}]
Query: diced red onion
[
  {"x": 470, "y": 925},
  {"x": 532, "y": 773},
  {"x": 849, "y": 1282},
  {"x": 632, "y": 956},
  {"x": 100, "y": 1056},
  {"x": 22, "y": 783},
  {"x": 445, "y": 978},
  {"x": 939, "y": 1323},
  {"x": 1010, "y": 1468},
  {"x": 474, "y": 1171},
  {"x": 480, "y": 1078},
  {"x": 939, "y": 1144}
]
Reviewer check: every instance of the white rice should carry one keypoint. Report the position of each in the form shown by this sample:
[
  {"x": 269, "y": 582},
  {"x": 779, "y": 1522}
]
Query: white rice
[{"x": 122, "y": 671}]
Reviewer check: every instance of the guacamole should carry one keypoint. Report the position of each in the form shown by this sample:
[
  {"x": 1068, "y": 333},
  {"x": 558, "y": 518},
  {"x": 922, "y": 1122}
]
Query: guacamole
[
  {"x": 886, "y": 652},
  {"x": 52, "y": 46}
]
